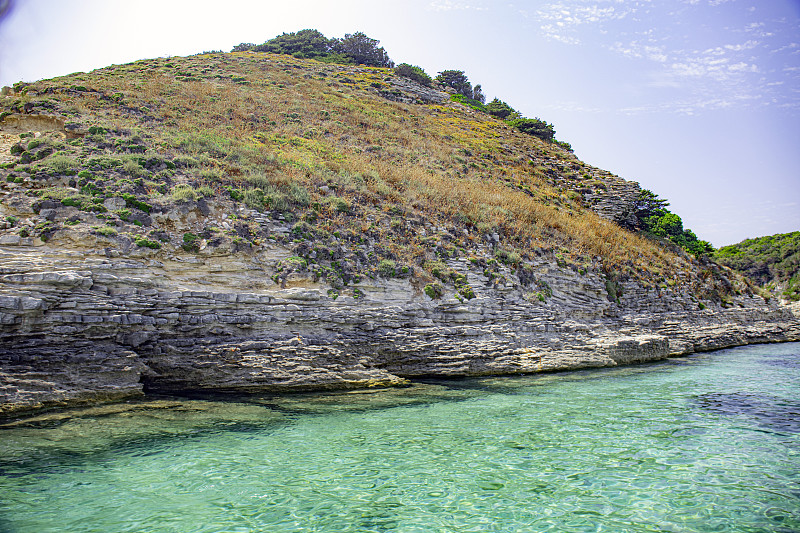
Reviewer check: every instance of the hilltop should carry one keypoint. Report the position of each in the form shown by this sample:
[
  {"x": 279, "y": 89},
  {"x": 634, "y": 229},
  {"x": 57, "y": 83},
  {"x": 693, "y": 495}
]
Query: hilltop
[
  {"x": 252, "y": 221},
  {"x": 328, "y": 149}
]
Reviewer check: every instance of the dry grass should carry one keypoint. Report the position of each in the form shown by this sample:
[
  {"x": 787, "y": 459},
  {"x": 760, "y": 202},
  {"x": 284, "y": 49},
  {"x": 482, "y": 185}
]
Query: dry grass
[{"x": 314, "y": 124}]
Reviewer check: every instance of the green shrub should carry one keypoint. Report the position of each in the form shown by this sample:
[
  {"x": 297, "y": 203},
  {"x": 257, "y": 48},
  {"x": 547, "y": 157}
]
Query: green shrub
[
  {"x": 147, "y": 243},
  {"x": 303, "y": 44},
  {"x": 259, "y": 180},
  {"x": 191, "y": 242},
  {"x": 362, "y": 50},
  {"x": 107, "y": 231},
  {"x": 276, "y": 200},
  {"x": 236, "y": 194},
  {"x": 414, "y": 73},
  {"x": 508, "y": 257},
  {"x": 463, "y": 288},
  {"x": 133, "y": 168},
  {"x": 62, "y": 164},
  {"x": 204, "y": 191},
  {"x": 438, "y": 269},
  {"x": 471, "y": 102},
  {"x": 656, "y": 220},
  {"x": 614, "y": 290},
  {"x": 253, "y": 198},
  {"x": 337, "y": 204},
  {"x": 132, "y": 201},
  {"x": 534, "y": 126},
  {"x": 90, "y": 189},
  {"x": 434, "y": 290},
  {"x": 104, "y": 162},
  {"x": 386, "y": 268},
  {"x": 298, "y": 195},
  {"x": 466, "y": 291},
  {"x": 564, "y": 145},
  {"x": 501, "y": 110},
  {"x": 297, "y": 261},
  {"x": 302, "y": 229},
  {"x": 211, "y": 174},
  {"x": 456, "y": 79},
  {"x": 75, "y": 201}
]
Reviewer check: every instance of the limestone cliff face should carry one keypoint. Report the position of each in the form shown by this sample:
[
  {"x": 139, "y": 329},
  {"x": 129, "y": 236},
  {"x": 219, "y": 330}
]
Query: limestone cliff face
[{"x": 83, "y": 326}]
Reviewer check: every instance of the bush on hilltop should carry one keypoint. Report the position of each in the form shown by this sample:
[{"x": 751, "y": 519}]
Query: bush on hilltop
[{"x": 312, "y": 44}]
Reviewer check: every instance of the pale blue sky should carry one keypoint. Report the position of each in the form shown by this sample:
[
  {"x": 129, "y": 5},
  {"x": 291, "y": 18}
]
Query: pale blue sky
[{"x": 697, "y": 100}]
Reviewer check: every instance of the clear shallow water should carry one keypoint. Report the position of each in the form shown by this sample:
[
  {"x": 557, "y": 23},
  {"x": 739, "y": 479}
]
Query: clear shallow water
[{"x": 707, "y": 443}]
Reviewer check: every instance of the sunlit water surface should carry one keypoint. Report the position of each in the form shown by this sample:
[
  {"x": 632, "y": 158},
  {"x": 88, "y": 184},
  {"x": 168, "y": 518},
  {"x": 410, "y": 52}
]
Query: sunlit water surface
[{"x": 706, "y": 443}]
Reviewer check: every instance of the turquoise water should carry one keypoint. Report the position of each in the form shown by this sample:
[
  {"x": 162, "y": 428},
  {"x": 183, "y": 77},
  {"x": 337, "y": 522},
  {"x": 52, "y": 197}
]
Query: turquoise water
[{"x": 706, "y": 443}]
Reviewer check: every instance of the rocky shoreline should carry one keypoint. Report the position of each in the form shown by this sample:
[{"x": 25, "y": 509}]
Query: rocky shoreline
[{"x": 82, "y": 326}]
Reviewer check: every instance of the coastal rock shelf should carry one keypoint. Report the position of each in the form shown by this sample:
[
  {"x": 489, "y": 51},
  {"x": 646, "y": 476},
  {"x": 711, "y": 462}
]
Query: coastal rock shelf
[{"x": 83, "y": 326}]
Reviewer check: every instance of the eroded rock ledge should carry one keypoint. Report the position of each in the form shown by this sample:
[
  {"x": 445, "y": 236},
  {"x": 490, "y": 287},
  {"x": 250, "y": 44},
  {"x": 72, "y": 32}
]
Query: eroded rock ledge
[{"x": 82, "y": 326}]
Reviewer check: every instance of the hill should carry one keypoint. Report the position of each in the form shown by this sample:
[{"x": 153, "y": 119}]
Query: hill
[
  {"x": 252, "y": 221},
  {"x": 772, "y": 262}
]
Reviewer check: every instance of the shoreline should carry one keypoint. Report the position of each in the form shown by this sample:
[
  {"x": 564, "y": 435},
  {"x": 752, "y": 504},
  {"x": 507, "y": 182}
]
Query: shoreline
[{"x": 14, "y": 418}]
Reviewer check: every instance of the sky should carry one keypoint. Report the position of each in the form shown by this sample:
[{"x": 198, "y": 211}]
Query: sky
[{"x": 697, "y": 100}]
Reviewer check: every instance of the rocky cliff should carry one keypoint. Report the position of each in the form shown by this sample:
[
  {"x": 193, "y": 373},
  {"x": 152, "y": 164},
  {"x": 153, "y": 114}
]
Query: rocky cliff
[
  {"x": 83, "y": 324},
  {"x": 252, "y": 256}
]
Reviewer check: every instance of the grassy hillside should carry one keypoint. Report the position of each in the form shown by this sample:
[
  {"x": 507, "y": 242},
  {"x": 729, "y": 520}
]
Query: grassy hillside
[
  {"x": 370, "y": 186},
  {"x": 772, "y": 262}
]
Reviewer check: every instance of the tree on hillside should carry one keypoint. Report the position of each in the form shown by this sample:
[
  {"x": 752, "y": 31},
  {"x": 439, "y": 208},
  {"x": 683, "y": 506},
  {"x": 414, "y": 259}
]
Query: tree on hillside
[
  {"x": 457, "y": 80},
  {"x": 656, "y": 220},
  {"x": 648, "y": 204},
  {"x": 304, "y": 44},
  {"x": 362, "y": 50},
  {"x": 477, "y": 94},
  {"x": 501, "y": 110},
  {"x": 243, "y": 47},
  {"x": 536, "y": 127},
  {"x": 312, "y": 44}
]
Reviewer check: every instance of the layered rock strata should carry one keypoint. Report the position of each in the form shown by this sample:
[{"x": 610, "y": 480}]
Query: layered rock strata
[{"x": 85, "y": 326}]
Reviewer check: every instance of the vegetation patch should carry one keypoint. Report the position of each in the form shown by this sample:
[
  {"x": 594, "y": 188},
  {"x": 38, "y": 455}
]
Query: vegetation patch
[
  {"x": 147, "y": 243},
  {"x": 772, "y": 262}
]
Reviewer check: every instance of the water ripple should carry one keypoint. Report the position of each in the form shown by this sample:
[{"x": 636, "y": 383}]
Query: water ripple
[{"x": 705, "y": 446}]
